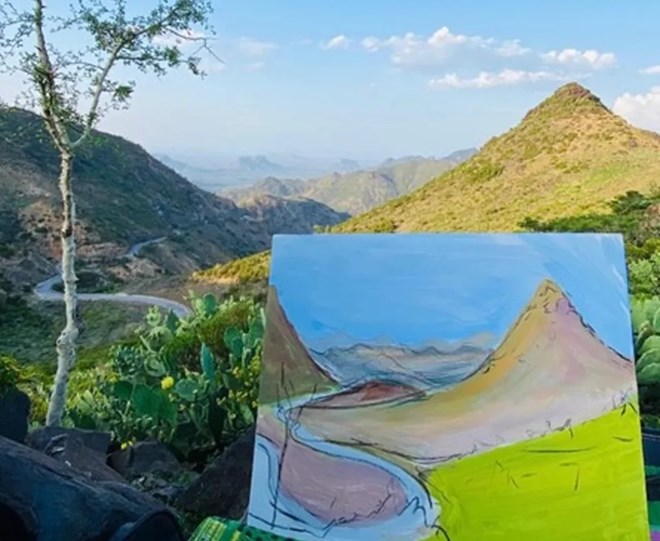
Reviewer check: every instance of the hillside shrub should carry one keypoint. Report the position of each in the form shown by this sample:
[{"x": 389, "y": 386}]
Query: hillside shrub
[
  {"x": 191, "y": 382},
  {"x": 646, "y": 333},
  {"x": 9, "y": 373}
]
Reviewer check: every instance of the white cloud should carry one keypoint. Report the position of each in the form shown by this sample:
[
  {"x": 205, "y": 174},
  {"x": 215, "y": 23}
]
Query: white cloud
[
  {"x": 512, "y": 48},
  {"x": 642, "y": 110},
  {"x": 651, "y": 70},
  {"x": 582, "y": 59},
  {"x": 457, "y": 60},
  {"x": 413, "y": 50},
  {"x": 338, "y": 42},
  {"x": 180, "y": 39},
  {"x": 253, "y": 47},
  {"x": 487, "y": 79},
  {"x": 256, "y": 66}
]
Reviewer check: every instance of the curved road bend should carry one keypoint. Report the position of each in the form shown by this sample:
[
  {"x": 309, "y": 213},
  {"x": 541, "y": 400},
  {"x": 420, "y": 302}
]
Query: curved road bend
[{"x": 44, "y": 290}]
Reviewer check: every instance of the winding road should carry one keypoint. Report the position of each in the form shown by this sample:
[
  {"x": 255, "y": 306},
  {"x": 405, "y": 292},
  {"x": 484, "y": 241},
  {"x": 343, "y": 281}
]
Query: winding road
[{"x": 44, "y": 290}]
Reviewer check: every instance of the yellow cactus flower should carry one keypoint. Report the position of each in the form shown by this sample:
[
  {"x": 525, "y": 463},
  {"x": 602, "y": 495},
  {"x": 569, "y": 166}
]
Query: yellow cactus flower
[{"x": 167, "y": 383}]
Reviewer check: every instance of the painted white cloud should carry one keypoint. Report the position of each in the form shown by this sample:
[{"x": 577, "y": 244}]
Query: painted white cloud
[
  {"x": 338, "y": 42},
  {"x": 591, "y": 59},
  {"x": 255, "y": 48},
  {"x": 487, "y": 79},
  {"x": 651, "y": 70},
  {"x": 642, "y": 110}
]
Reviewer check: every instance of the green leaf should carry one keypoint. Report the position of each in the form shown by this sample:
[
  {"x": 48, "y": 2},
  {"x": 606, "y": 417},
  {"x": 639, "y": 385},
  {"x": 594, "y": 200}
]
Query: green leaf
[
  {"x": 234, "y": 341},
  {"x": 656, "y": 321},
  {"x": 649, "y": 374},
  {"x": 208, "y": 363},
  {"x": 645, "y": 331},
  {"x": 123, "y": 390},
  {"x": 146, "y": 401},
  {"x": 155, "y": 368},
  {"x": 652, "y": 342},
  {"x": 651, "y": 356},
  {"x": 210, "y": 304},
  {"x": 217, "y": 420},
  {"x": 168, "y": 411},
  {"x": 247, "y": 414},
  {"x": 230, "y": 381},
  {"x": 172, "y": 322},
  {"x": 186, "y": 389}
]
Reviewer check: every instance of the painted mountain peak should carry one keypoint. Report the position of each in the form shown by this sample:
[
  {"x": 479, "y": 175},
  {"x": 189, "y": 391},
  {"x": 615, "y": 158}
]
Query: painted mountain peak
[
  {"x": 550, "y": 371},
  {"x": 290, "y": 370}
]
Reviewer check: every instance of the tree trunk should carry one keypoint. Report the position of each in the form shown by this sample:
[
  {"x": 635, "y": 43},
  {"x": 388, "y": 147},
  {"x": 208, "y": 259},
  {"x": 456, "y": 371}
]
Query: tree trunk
[{"x": 66, "y": 343}]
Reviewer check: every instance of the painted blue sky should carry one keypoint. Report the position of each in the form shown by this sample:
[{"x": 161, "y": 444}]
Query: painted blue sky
[
  {"x": 414, "y": 288},
  {"x": 381, "y": 78}
]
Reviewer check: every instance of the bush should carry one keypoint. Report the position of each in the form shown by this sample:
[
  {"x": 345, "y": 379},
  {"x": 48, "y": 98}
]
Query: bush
[
  {"x": 191, "y": 383},
  {"x": 9, "y": 373},
  {"x": 646, "y": 332}
]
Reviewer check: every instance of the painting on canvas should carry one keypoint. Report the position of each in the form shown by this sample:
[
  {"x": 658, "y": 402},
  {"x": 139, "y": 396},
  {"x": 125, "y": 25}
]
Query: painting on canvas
[{"x": 459, "y": 387}]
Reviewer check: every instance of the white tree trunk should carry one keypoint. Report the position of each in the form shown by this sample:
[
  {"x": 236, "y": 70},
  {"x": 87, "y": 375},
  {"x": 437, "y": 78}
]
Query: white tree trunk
[{"x": 66, "y": 343}]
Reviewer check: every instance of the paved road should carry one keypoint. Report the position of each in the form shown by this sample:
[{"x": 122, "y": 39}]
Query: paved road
[{"x": 44, "y": 290}]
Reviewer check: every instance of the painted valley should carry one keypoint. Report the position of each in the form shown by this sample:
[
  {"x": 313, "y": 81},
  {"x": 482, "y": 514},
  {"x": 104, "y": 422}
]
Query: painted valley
[{"x": 453, "y": 387}]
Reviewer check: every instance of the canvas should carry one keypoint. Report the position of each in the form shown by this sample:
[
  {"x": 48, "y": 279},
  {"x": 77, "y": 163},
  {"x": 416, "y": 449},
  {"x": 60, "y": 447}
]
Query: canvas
[{"x": 460, "y": 387}]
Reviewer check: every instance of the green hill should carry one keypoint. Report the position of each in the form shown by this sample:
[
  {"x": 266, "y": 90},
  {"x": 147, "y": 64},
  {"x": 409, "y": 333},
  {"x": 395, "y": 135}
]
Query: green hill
[
  {"x": 569, "y": 156},
  {"x": 123, "y": 196}
]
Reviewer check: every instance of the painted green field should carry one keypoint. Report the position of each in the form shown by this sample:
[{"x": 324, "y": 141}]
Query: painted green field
[{"x": 578, "y": 485}]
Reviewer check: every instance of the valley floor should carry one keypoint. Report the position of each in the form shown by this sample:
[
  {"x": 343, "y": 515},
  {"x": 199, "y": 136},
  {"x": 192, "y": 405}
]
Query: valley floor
[{"x": 582, "y": 484}]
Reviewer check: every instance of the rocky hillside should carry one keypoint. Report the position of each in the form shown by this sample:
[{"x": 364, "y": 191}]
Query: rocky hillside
[
  {"x": 358, "y": 191},
  {"x": 299, "y": 215},
  {"x": 123, "y": 196},
  {"x": 570, "y": 155}
]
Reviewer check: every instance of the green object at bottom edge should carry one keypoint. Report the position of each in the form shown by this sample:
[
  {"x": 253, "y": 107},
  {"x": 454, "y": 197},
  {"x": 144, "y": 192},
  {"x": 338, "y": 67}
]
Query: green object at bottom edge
[{"x": 217, "y": 529}]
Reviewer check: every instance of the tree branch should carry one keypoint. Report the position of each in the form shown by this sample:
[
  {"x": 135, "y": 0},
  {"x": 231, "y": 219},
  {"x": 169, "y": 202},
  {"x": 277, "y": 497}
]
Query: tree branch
[
  {"x": 93, "y": 108},
  {"x": 45, "y": 79}
]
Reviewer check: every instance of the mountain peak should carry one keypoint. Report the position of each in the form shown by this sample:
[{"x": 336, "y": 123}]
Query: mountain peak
[
  {"x": 568, "y": 100},
  {"x": 548, "y": 290}
]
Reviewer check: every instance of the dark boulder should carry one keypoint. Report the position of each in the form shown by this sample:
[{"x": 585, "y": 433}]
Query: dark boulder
[
  {"x": 151, "y": 457},
  {"x": 14, "y": 414},
  {"x": 70, "y": 449},
  {"x": 223, "y": 488},
  {"x": 41, "y": 438},
  {"x": 59, "y": 504}
]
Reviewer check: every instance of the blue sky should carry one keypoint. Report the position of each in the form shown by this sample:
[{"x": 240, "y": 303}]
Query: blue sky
[
  {"x": 390, "y": 78},
  {"x": 414, "y": 288}
]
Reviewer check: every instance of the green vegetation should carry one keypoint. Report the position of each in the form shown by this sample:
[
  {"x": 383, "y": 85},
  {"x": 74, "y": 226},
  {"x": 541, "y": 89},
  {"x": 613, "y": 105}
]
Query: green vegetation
[
  {"x": 567, "y": 481},
  {"x": 548, "y": 165},
  {"x": 253, "y": 268},
  {"x": 646, "y": 332},
  {"x": 28, "y": 332},
  {"x": 192, "y": 383}
]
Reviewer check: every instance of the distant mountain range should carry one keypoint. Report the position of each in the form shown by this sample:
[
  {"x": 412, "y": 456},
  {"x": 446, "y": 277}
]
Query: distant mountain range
[
  {"x": 356, "y": 191},
  {"x": 243, "y": 170},
  {"x": 125, "y": 196},
  {"x": 570, "y": 155},
  {"x": 422, "y": 368}
]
